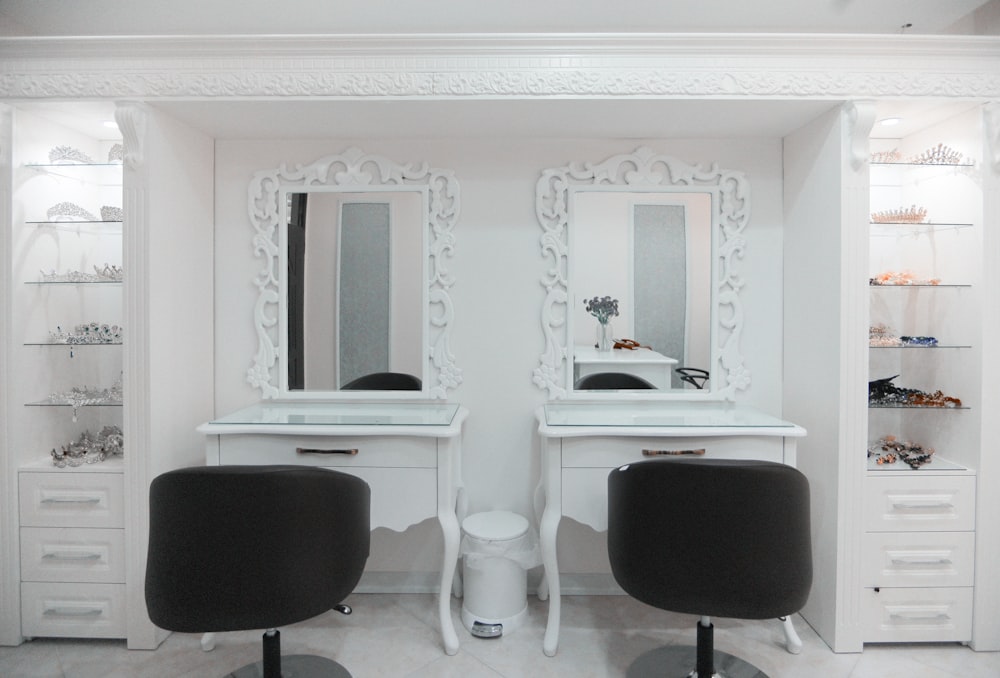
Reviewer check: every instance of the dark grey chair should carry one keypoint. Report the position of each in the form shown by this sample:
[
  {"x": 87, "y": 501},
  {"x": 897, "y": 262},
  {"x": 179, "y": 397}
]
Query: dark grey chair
[
  {"x": 233, "y": 548},
  {"x": 695, "y": 376},
  {"x": 711, "y": 537},
  {"x": 610, "y": 380},
  {"x": 384, "y": 381}
]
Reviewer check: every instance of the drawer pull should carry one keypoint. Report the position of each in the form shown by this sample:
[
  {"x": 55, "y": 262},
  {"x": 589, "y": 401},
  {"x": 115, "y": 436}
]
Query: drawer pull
[
  {"x": 66, "y": 555},
  {"x": 914, "y": 617},
  {"x": 930, "y": 560},
  {"x": 73, "y": 612},
  {"x": 313, "y": 450},
  {"x": 922, "y": 506},
  {"x": 670, "y": 453},
  {"x": 71, "y": 500}
]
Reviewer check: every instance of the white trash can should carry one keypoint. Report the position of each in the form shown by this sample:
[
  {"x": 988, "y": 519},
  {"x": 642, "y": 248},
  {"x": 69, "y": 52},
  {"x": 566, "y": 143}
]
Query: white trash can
[{"x": 498, "y": 548}]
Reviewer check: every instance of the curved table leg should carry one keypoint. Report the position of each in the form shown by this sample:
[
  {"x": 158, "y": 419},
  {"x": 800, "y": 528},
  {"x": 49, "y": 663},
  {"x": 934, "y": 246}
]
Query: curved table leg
[
  {"x": 548, "y": 530},
  {"x": 208, "y": 642},
  {"x": 792, "y": 641},
  {"x": 450, "y": 530}
]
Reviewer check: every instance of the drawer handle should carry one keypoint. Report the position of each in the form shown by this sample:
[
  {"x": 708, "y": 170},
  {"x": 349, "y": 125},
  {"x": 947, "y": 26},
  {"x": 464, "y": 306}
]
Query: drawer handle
[
  {"x": 71, "y": 500},
  {"x": 73, "y": 611},
  {"x": 313, "y": 450},
  {"x": 66, "y": 555},
  {"x": 670, "y": 453},
  {"x": 922, "y": 505},
  {"x": 930, "y": 560},
  {"x": 918, "y": 617}
]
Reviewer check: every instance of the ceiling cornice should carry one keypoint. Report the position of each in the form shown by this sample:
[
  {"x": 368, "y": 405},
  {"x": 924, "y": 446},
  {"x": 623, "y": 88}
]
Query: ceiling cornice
[{"x": 699, "y": 65}]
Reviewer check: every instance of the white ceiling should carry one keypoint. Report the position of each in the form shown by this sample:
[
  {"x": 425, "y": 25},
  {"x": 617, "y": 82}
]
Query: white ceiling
[{"x": 297, "y": 17}]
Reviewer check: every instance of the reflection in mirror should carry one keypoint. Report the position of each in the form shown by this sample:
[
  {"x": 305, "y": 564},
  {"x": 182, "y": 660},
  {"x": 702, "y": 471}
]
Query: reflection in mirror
[
  {"x": 654, "y": 233},
  {"x": 355, "y": 248}
]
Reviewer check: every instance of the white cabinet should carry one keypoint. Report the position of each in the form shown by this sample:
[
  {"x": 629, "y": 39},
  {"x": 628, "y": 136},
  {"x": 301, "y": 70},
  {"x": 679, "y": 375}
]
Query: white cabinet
[{"x": 918, "y": 549}]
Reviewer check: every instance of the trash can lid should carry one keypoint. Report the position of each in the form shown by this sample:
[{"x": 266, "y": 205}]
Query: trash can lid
[{"x": 495, "y": 525}]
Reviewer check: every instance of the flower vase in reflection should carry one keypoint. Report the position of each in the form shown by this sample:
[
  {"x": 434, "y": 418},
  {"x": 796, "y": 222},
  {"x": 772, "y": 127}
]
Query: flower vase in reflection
[{"x": 605, "y": 340}]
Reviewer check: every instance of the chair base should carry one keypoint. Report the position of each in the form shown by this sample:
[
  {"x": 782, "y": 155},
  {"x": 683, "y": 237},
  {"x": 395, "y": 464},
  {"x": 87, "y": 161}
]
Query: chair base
[
  {"x": 297, "y": 666},
  {"x": 677, "y": 661}
]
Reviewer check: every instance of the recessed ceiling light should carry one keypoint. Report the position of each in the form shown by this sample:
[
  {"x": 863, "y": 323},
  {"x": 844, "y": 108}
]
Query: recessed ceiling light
[
  {"x": 111, "y": 124},
  {"x": 889, "y": 122}
]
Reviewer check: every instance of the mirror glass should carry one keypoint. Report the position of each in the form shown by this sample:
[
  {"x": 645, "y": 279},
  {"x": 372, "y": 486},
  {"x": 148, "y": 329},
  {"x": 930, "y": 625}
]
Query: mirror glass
[
  {"x": 652, "y": 233},
  {"x": 345, "y": 309}
]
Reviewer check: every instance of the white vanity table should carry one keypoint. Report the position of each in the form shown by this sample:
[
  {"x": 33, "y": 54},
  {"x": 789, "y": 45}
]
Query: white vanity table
[
  {"x": 642, "y": 362},
  {"x": 581, "y": 442},
  {"x": 409, "y": 453}
]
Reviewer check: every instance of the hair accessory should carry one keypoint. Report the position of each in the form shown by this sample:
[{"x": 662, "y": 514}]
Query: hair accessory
[
  {"x": 116, "y": 154},
  {"x": 88, "y": 333},
  {"x": 109, "y": 213},
  {"x": 83, "y": 396},
  {"x": 90, "y": 449},
  {"x": 938, "y": 155},
  {"x": 918, "y": 341},
  {"x": 107, "y": 273},
  {"x": 901, "y": 278},
  {"x": 912, "y": 215},
  {"x": 887, "y": 450},
  {"x": 883, "y": 393},
  {"x": 881, "y": 335},
  {"x": 68, "y": 211},
  {"x": 67, "y": 155},
  {"x": 887, "y": 156}
]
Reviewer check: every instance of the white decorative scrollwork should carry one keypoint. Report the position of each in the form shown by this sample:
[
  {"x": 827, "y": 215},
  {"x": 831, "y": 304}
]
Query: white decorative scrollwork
[
  {"x": 354, "y": 170},
  {"x": 642, "y": 169}
]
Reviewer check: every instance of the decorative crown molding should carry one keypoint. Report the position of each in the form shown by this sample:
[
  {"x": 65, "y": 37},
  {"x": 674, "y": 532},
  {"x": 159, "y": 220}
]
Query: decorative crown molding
[{"x": 501, "y": 65}]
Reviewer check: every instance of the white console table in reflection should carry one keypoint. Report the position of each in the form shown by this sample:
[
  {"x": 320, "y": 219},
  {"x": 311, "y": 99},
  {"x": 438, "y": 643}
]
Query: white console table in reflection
[
  {"x": 581, "y": 442},
  {"x": 408, "y": 453},
  {"x": 654, "y": 367}
]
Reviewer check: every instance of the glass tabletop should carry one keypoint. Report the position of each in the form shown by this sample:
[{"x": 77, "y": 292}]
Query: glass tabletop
[
  {"x": 344, "y": 414},
  {"x": 695, "y": 415}
]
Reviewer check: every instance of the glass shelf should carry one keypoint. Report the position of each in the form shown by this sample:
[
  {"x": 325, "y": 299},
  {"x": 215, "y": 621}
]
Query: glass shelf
[
  {"x": 344, "y": 414},
  {"x": 921, "y": 286},
  {"x": 97, "y": 226},
  {"x": 895, "y": 229},
  {"x": 70, "y": 283},
  {"x": 67, "y": 344},
  {"x": 923, "y": 347},
  {"x": 901, "y": 163},
  {"x": 68, "y": 403},
  {"x": 935, "y": 464},
  {"x": 914, "y": 407},
  {"x": 108, "y": 173}
]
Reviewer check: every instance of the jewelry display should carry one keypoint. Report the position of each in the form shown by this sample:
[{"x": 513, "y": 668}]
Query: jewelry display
[
  {"x": 885, "y": 157},
  {"x": 88, "y": 333},
  {"x": 888, "y": 450},
  {"x": 910, "y": 215},
  {"x": 918, "y": 341},
  {"x": 67, "y": 211},
  {"x": 901, "y": 278},
  {"x": 109, "y": 213},
  {"x": 116, "y": 154},
  {"x": 883, "y": 393},
  {"x": 881, "y": 335},
  {"x": 90, "y": 449},
  {"x": 85, "y": 396},
  {"x": 938, "y": 155},
  {"x": 67, "y": 155},
  {"x": 104, "y": 274}
]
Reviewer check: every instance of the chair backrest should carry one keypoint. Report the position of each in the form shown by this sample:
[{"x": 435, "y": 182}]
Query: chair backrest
[
  {"x": 610, "y": 380},
  {"x": 384, "y": 381},
  {"x": 727, "y": 538},
  {"x": 251, "y": 547}
]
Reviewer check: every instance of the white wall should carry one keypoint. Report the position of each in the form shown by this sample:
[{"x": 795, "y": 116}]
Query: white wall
[{"x": 497, "y": 336}]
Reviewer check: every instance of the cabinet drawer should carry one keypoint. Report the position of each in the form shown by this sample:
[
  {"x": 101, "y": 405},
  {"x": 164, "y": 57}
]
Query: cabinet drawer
[
  {"x": 401, "y": 497},
  {"x": 334, "y": 451},
  {"x": 73, "y": 610},
  {"x": 612, "y": 452},
  {"x": 907, "y": 559},
  {"x": 70, "y": 499},
  {"x": 920, "y": 502},
  {"x": 72, "y": 555},
  {"x": 917, "y": 615}
]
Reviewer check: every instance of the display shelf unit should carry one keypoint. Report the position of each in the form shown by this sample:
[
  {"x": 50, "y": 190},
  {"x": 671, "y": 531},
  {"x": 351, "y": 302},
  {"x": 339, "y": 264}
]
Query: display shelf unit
[
  {"x": 919, "y": 524},
  {"x": 71, "y": 519}
]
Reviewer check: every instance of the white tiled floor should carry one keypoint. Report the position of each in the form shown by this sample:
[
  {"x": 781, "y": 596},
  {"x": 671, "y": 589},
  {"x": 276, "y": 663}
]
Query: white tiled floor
[{"x": 392, "y": 636}]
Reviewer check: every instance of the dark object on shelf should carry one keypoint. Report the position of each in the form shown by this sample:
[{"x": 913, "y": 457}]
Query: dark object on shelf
[
  {"x": 384, "y": 381},
  {"x": 741, "y": 550},
  {"x": 693, "y": 375},
  {"x": 889, "y": 449},
  {"x": 235, "y": 548},
  {"x": 919, "y": 341},
  {"x": 610, "y": 380},
  {"x": 882, "y": 392}
]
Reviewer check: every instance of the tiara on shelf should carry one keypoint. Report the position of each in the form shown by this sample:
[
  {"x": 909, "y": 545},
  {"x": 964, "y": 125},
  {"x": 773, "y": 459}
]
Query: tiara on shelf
[
  {"x": 88, "y": 333},
  {"x": 107, "y": 273},
  {"x": 68, "y": 211},
  {"x": 887, "y": 156},
  {"x": 910, "y": 215},
  {"x": 110, "y": 213},
  {"x": 938, "y": 155},
  {"x": 67, "y": 155},
  {"x": 116, "y": 154},
  {"x": 90, "y": 449}
]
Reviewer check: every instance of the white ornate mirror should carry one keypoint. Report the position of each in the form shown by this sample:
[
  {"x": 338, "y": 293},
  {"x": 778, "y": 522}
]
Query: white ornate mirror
[
  {"x": 355, "y": 280},
  {"x": 661, "y": 237}
]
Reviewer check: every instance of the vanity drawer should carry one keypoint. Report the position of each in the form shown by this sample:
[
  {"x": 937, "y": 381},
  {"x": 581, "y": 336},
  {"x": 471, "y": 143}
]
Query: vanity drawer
[
  {"x": 73, "y": 610},
  {"x": 611, "y": 452},
  {"x": 68, "y": 499},
  {"x": 917, "y": 615},
  {"x": 333, "y": 451},
  {"x": 72, "y": 555},
  {"x": 902, "y": 559},
  {"x": 920, "y": 502},
  {"x": 401, "y": 497}
]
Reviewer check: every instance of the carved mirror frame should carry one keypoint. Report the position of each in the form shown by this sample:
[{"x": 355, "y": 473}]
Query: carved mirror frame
[
  {"x": 354, "y": 171},
  {"x": 643, "y": 170}
]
